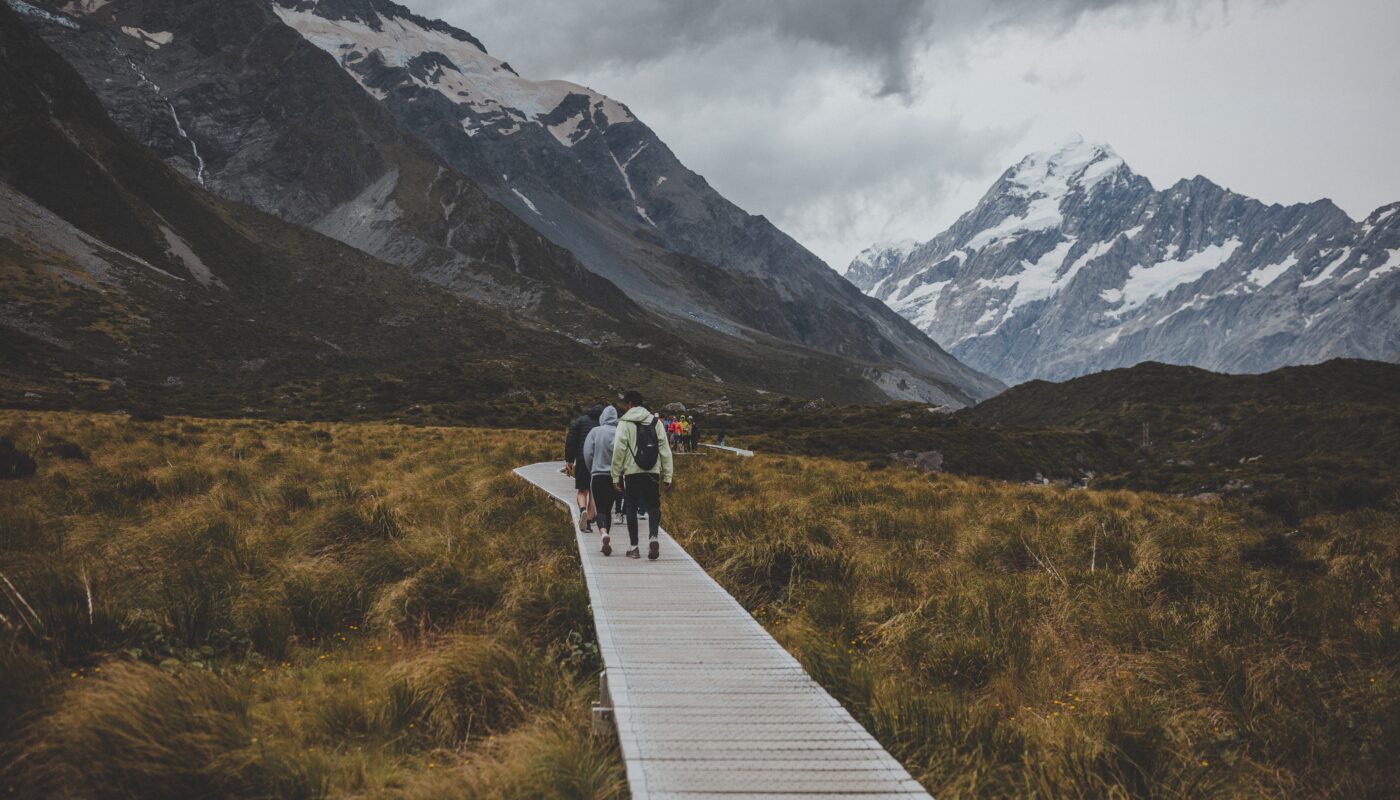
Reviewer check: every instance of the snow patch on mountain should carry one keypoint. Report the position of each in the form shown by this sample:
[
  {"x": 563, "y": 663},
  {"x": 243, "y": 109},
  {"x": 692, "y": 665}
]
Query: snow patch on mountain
[
  {"x": 470, "y": 76},
  {"x": 155, "y": 41},
  {"x": 525, "y": 200},
  {"x": 565, "y": 131},
  {"x": 1265, "y": 276},
  {"x": 1039, "y": 280},
  {"x": 1391, "y": 264},
  {"x": 1042, "y": 214},
  {"x": 1158, "y": 280},
  {"x": 921, "y": 304},
  {"x": 1327, "y": 271},
  {"x": 180, "y": 250}
]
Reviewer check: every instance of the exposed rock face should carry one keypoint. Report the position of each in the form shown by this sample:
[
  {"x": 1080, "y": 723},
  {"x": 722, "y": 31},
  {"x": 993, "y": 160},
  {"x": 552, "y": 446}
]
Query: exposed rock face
[
  {"x": 402, "y": 137},
  {"x": 116, "y": 270},
  {"x": 227, "y": 94},
  {"x": 1072, "y": 264},
  {"x": 930, "y": 461},
  {"x": 587, "y": 174}
]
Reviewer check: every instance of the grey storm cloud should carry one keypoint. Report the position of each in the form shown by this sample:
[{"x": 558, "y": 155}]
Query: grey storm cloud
[
  {"x": 880, "y": 35},
  {"x": 851, "y": 121}
]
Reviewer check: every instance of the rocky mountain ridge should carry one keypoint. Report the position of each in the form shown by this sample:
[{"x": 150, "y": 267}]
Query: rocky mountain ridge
[
  {"x": 337, "y": 115},
  {"x": 1072, "y": 263},
  {"x": 127, "y": 285},
  {"x": 591, "y": 177}
]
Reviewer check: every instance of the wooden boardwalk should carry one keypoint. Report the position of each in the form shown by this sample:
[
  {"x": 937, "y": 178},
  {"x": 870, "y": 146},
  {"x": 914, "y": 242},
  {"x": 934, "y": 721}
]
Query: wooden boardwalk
[
  {"x": 707, "y": 704},
  {"x": 738, "y": 451}
]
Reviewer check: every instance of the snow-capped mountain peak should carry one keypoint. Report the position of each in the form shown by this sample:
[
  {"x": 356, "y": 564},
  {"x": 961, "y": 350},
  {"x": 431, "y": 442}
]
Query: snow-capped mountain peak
[
  {"x": 1076, "y": 164},
  {"x": 882, "y": 254},
  {"x": 1032, "y": 197},
  {"x": 1072, "y": 263}
]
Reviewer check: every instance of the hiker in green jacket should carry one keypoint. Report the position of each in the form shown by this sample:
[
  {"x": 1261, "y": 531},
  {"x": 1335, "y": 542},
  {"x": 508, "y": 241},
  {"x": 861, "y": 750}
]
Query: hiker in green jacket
[{"x": 641, "y": 464}]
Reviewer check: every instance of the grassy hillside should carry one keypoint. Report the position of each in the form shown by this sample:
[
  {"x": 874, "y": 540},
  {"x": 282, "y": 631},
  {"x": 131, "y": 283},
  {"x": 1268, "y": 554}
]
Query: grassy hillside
[
  {"x": 1325, "y": 436},
  {"x": 1008, "y": 640},
  {"x": 1294, "y": 441},
  {"x": 253, "y": 609}
]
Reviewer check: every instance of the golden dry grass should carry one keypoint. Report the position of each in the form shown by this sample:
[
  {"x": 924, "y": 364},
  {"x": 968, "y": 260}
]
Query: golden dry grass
[
  {"x": 255, "y": 609},
  {"x": 1006, "y": 640},
  {"x": 252, "y": 609}
]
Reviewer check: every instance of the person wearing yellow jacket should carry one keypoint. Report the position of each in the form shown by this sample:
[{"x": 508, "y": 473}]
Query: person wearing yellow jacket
[{"x": 641, "y": 436}]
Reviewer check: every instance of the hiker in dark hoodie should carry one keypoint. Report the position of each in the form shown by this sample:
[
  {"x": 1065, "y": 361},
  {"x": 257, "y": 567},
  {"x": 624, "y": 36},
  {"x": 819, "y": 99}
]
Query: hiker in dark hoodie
[
  {"x": 574, "y": 466},
  {"x": 598, "y": 456}
]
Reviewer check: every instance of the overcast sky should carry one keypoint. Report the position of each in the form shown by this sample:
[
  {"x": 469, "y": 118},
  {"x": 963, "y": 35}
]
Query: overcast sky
[{"x": 851, "y": 122}]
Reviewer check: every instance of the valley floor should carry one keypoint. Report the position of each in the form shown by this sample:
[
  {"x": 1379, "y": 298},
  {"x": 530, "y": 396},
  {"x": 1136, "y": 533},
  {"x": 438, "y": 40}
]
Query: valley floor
[
  {"x": 254, "y": 609},
  {"x": 286, "y": 609}
]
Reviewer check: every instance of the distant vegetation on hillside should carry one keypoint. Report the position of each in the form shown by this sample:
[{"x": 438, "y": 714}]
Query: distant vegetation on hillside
[{"x": 1295, "y": 440}]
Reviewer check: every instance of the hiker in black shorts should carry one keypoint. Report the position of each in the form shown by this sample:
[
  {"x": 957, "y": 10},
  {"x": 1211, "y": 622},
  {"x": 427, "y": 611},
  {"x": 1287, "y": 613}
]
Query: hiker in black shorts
[
  {"x": 597, "y": 456},
  {"x": 574, "y": 466}
]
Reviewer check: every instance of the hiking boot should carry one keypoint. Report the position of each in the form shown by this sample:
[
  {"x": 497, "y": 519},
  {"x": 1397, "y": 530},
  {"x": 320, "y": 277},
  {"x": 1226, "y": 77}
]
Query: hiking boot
[
  {"x": 607, "y": 544},
  {"x": 635, "y": 552},
  {"x": 653, "y": 550}
]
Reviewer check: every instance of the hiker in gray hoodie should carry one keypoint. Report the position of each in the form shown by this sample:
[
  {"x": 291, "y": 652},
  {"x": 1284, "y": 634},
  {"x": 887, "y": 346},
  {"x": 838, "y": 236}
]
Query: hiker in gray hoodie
[{"x": 598, "y": 457}]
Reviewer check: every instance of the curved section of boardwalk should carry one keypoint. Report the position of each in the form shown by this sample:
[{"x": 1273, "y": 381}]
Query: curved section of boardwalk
[
  {"x": 707, "y": 704},
  {"x": 738, "y": 451}
]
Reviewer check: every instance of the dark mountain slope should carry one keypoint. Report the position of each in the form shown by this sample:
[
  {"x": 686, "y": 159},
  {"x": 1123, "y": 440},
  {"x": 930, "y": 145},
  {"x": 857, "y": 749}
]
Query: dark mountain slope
[
  {"x": 229, "y": 94},
  {"x": 290, "y": 318},
  {"x": 278, "y": 131},
  {"x": 125, "y": 283}
]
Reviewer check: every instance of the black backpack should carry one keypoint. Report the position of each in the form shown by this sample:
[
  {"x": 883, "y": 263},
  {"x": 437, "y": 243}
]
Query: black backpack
[{"x": 648, "y": 445}]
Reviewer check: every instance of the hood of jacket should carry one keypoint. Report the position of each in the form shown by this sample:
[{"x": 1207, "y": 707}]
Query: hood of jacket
[
  {"x": 636, "y": 414},
  {"x": 608, "y": 417}
]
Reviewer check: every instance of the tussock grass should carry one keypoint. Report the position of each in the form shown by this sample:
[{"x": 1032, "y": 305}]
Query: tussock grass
[
  {"x": 1007, "y": 640},
  {"x": 253, "y": 609},
  {"x": 250, "y": 609}
]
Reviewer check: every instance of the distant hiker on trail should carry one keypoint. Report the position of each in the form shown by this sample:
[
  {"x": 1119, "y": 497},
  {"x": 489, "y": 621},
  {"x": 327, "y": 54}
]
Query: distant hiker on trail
[
  {"x": 574, "y": 466},
  {"x": 598, "y": 457},
  {"x": 642, "y": 458},
  {"x": 722, "y": 432},
  {"x": 692, "y": 435}
]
